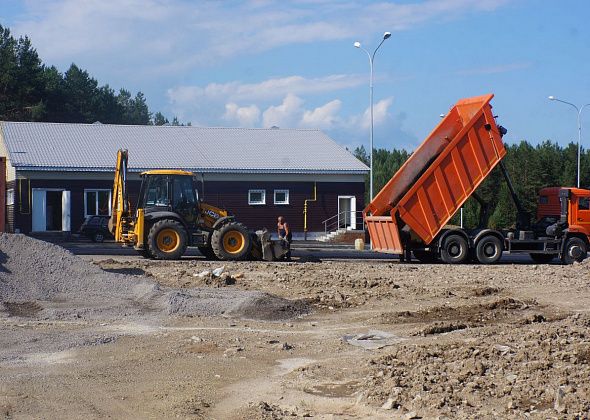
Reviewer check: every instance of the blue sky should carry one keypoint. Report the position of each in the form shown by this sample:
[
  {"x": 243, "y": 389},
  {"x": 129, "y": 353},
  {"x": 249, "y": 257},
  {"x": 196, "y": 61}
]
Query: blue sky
[{"x": 293, "y": 64}]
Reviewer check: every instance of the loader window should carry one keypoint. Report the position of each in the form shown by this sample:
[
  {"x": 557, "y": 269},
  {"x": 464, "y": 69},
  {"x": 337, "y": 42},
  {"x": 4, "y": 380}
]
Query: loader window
[
  {"x": 157, "y": 191},
  {"x": 183, "y": 192}
]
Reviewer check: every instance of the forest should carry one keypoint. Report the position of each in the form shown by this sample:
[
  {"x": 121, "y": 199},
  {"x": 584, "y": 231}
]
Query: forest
[{"x": 33, "y": 91}]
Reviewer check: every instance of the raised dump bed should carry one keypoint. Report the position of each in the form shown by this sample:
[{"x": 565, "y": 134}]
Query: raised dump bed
[{"x": 438, "y": 177}]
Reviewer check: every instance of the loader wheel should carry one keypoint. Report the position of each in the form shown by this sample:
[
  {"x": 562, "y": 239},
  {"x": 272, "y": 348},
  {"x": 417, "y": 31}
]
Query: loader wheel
[
  {"x": 575, "y": 250},
  {"x": 167, "y": 240},
  {"x": 232, "y": 242},
  {"x": 207, "y": 252},
  {"x": 454, "y": 250},
  {"x": 489, "y": 250}
]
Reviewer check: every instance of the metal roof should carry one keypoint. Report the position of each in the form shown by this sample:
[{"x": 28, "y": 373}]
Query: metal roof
[{"x": 93, "y": 147}]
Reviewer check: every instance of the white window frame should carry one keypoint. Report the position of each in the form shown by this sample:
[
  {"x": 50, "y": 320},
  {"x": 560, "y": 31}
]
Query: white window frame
[
  {"x": 281, "y": 203},
  {"x": 10, "y": 197},
  {"x": 257, "y": 203},
  {"x": 96, "y": 190}
]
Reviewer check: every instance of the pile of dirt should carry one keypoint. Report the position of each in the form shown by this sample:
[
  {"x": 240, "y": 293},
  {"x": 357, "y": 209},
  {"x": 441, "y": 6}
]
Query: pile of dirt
[
  {"x": 537, "y": 369},
  {"x": 42, "y": 279}
]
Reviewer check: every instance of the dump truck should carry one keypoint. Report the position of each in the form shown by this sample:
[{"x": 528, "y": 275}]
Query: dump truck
[
  {"x": 410, "y": 215},
  {"x": 169, "y": 216}
]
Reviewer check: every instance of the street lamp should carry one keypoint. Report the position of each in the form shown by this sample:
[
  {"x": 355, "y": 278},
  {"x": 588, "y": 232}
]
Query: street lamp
[
  {"x": 579, "y": 111},
  {"x": 371, "y": 60}
]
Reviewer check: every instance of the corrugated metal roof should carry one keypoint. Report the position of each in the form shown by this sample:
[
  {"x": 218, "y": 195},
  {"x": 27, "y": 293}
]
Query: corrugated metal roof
[{"x": 93, "y": 147}]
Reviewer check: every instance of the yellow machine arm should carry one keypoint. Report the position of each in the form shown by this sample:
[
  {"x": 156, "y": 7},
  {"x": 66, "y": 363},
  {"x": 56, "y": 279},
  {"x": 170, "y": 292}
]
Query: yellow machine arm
[{"x": 120, "y": 204}]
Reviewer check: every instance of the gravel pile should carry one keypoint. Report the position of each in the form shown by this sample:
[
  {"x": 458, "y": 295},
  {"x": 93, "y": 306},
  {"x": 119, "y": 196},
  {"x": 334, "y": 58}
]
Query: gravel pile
[{"x": 43, "y": 279}]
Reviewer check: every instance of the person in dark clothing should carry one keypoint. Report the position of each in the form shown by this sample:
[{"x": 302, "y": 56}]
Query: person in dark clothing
[{"x": 285, "y": 234}]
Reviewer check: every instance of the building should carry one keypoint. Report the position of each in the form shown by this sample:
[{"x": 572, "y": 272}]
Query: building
[{"x": 57, "y": 174}]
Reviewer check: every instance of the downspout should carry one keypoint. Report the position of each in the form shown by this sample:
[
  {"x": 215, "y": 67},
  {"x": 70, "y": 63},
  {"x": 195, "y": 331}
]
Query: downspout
[{"x": 305, "y": 210}]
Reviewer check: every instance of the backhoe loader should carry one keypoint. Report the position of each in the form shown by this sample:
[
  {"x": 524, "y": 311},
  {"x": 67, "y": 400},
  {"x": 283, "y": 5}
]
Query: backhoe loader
[{"x": 169, "y": 217}]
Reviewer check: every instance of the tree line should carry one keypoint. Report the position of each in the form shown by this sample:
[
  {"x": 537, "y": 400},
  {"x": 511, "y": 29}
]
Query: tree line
[
  {"x": 33, "y": 91},
  {"x": 530, "y": 168}
]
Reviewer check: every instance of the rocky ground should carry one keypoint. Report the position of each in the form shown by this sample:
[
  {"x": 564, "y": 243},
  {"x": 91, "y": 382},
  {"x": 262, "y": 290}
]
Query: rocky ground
[{"x": 382, "y": 340}]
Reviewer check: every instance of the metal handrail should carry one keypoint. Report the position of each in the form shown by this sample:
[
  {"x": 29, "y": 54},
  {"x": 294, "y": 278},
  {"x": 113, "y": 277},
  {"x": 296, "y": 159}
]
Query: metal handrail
[{"x": 341, "y": 219}]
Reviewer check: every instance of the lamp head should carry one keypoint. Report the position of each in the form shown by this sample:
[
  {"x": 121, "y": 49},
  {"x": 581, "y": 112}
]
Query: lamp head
[
  {"x": 551, "y": 98},
  {"x": 386, "y": 35},
  {"x": 357, "y": 44}
]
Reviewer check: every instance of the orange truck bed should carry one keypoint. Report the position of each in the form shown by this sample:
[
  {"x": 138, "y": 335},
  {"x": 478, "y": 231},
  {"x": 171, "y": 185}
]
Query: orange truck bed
[{"x": 438, "y": 177}]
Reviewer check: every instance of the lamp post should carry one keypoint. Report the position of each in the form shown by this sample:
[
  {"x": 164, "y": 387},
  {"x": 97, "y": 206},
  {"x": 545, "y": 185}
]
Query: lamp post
[
  {"x": 579, "y": 111},
  {"x": 371, "y": 60}
]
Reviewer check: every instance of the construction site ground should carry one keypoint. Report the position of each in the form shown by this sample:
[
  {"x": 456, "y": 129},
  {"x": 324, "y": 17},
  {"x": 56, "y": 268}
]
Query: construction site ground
[{"x": 381, "y": 339}]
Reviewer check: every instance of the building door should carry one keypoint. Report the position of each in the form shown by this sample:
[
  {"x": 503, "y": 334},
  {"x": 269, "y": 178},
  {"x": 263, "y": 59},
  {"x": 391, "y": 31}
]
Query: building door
[
  {"x": 347, "y": 212},
  {"x": 51, "y": 210}
]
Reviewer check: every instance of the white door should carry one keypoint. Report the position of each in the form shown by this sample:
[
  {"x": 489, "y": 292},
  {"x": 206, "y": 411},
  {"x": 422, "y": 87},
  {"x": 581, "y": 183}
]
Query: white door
[
  {"x": 347, "y": 212},
  {"x": 39, "y": 211},
  {"x": 65, "y": 211}
]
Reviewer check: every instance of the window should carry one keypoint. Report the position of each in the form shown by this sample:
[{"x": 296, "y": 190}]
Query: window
[
  {"x": 256, "y": 197},
  {"x": 281, "y": 197},
  {"x": 97, "y": 202},
  {"x": 157, "y": 191},
  {"x": 584, "y": 203},
  {"x": 10, "y": 197},
  {"x": 183, "y": 193},
  {"x": 543, "y": 199}
]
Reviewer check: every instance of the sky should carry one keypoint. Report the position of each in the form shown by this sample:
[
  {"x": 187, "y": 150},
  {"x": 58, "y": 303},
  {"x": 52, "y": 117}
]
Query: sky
[{"x": 292, "y": 64}]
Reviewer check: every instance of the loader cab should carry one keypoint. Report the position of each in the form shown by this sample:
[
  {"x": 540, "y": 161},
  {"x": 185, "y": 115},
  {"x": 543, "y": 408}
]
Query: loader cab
[{"x": 170, "y": 191}]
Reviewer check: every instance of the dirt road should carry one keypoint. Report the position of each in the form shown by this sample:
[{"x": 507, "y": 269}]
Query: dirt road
[{"x": 455, "y": 342}]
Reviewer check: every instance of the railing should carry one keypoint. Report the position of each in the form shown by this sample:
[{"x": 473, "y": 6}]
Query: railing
[{"x": 344, "y": 220}]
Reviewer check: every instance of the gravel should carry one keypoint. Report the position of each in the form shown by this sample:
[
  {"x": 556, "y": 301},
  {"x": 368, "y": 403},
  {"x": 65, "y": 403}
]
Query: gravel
[{"x": 45, "y": 280}]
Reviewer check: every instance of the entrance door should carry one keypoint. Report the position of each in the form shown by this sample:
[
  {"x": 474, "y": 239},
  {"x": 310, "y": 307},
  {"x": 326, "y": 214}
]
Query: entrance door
[
  {"x": 347, "y": 212},
  {"x": 51, "y": 210},
  {"x": 39, "y": 210}
]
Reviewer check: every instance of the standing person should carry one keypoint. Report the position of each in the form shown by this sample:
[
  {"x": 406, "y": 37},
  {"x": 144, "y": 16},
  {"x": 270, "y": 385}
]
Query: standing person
[{"x": 285, "y": 234}]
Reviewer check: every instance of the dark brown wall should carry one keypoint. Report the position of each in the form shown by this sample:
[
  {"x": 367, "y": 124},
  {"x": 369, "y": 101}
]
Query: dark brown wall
[{"x": 231, "y": 195}]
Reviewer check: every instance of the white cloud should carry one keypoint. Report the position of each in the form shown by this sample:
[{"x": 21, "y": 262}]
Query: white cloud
[
  {"x": 380, "y": 113},
  {"x": 246, "y": 116},
  {"x": 324, "y": 117},
  {"x": 287, "y": 114},
  {"x": 154, "y": 37}
]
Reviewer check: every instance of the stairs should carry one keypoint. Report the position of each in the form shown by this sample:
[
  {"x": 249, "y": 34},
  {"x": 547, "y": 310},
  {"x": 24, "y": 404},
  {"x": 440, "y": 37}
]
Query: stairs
[{"x": 342, "y": 236}]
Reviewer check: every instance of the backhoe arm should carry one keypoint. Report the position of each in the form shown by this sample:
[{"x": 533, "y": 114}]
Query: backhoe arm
[{"x": 120, "y": 203}]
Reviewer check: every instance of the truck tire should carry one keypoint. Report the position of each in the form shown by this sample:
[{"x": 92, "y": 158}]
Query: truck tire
[
  {"x": 231, "y": 242},
  {"x": 489, "y": 249},
  {"x": 425, "y": 257},
  {"x": 167, "y": 240},
  {"x": 575, "y": 250},
  {"x": 207, "y": 252},
  {"x": 454, "y": 250},
  {"x": 542, "y": 258}
]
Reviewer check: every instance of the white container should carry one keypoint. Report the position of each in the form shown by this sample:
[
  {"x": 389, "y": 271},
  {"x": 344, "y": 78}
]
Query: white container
[{"x": 359, "y": 244}]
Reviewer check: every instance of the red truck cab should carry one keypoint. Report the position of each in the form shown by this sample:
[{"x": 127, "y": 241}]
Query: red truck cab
[{"x": 576, "y": 206}]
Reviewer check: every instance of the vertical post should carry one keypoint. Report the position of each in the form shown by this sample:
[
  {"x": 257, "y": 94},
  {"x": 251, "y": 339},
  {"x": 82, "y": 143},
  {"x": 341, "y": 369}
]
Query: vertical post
[
  {"x": 2, "y": 194},
  {"x": 371, "y": 136}
]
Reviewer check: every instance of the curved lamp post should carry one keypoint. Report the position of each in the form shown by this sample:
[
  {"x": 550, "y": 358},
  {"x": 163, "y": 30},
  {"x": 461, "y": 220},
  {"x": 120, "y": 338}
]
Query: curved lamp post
[
  {"x": 357, "y": 44},
  {"x": 579, "y": 111}
]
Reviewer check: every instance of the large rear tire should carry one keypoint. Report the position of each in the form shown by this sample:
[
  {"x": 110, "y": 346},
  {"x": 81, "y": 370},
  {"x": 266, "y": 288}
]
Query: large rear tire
[
  {"x": 455, "y": 250},
  {"x": 231, "y": 242},
  {"x": 167, "y": 240},
  {"x": 575, "y": 250},
  {"x": 489, "y": 249}
]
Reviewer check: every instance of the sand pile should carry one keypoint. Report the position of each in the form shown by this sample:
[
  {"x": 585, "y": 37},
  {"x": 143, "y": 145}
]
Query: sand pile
[{"x": 43, "y": 279}]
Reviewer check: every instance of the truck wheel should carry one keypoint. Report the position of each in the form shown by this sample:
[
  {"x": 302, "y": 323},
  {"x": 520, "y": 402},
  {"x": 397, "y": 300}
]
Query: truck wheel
[
  {"x": 231, "y": 242},
  {"x": 207, "y": 252},
  {"x": 454, "y": 250},
  {"x": 542, "y": 258},
  {"x": 167, "y": 240},
  {"x": 575, "y": 250},
  {"x": 489, "y": 250},
  {"x": 425, "y": 257}
]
